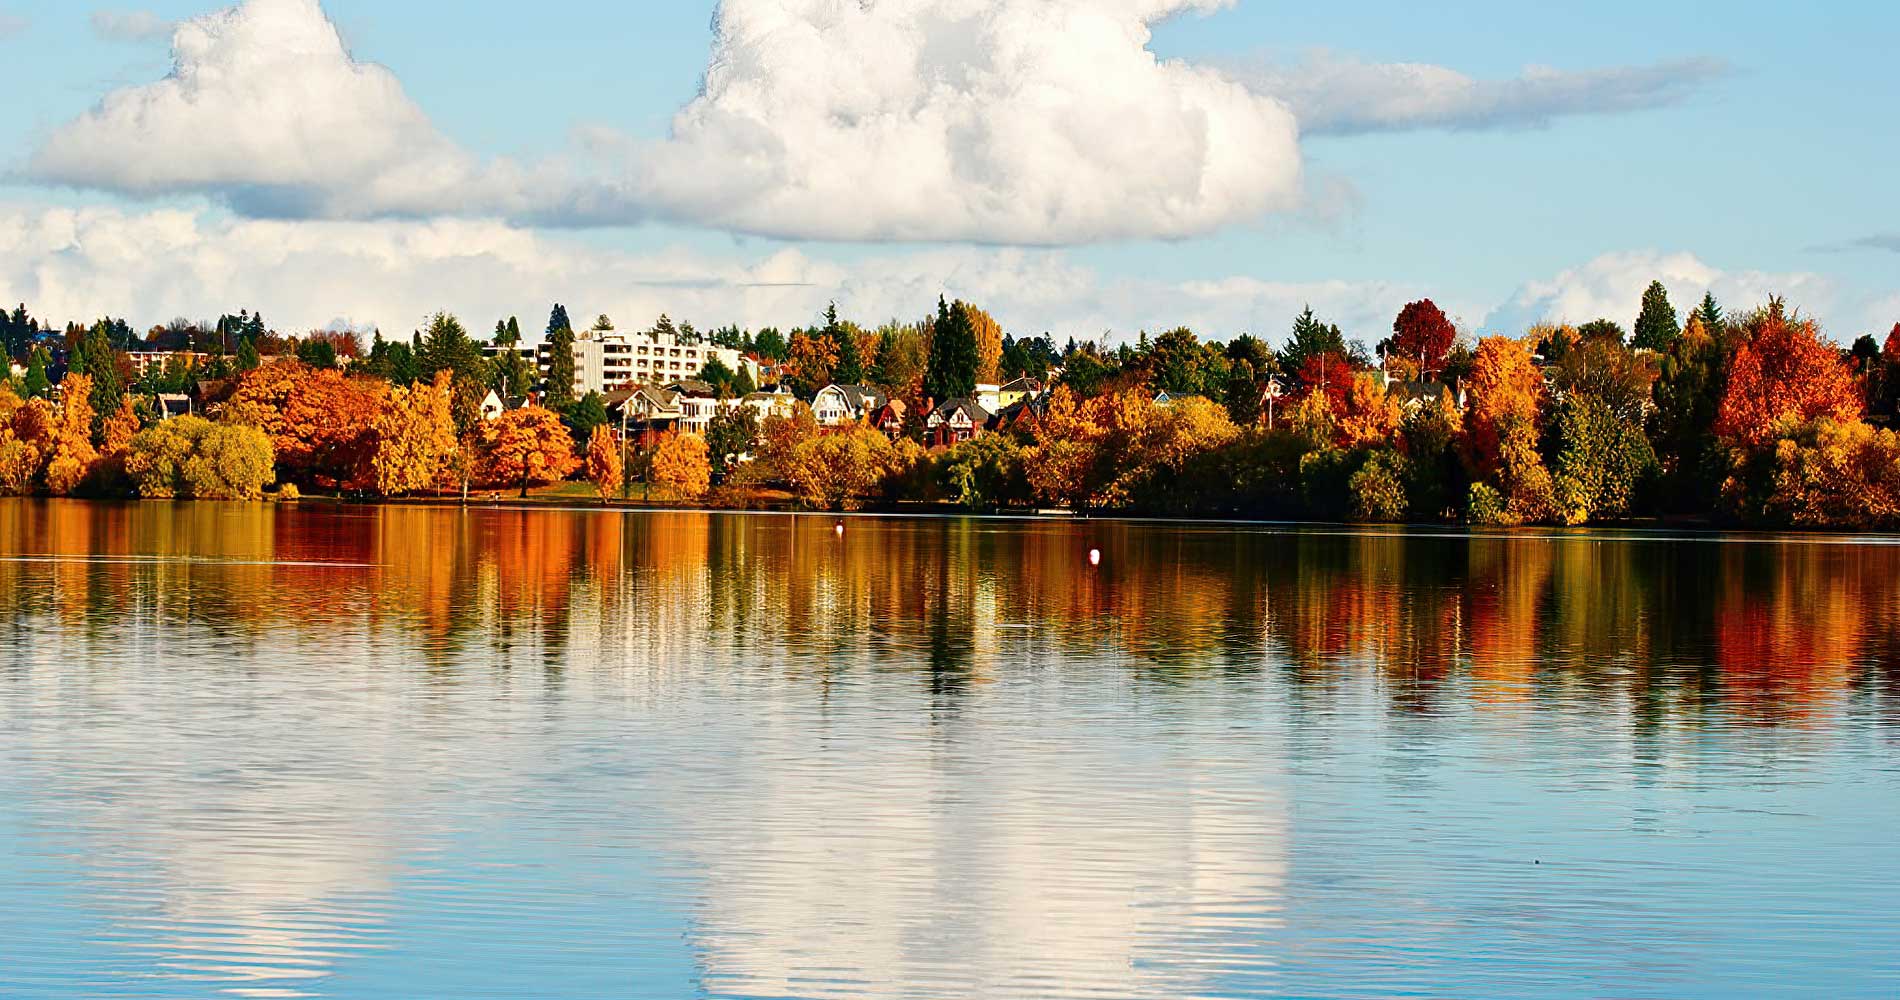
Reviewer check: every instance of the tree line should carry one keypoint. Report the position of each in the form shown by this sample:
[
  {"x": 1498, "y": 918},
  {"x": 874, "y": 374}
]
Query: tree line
[{"x": 1750, "y": 418}]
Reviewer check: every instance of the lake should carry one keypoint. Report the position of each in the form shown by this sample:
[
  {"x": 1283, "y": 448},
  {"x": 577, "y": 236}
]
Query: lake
[{"x": 256, "y": 751}]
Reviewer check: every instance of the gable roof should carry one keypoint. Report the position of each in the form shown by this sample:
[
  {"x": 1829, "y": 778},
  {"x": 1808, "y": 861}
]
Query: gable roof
[
  {"x": 944, "y": 414},
  {"x": 858, "y": 397}
]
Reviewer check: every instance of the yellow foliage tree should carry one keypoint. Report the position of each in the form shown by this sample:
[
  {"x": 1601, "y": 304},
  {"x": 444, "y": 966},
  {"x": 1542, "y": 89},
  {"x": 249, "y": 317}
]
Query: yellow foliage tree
[
  {"x": 24, "y": 440},
  {"x": 682, "y": 467},
  {"x": 415, "y": 438},
  {"x": 604, "y": 467},
  {"x": 193, "y": 458},
  {"x": 1371, "y": 417},
  {"x": 840, "y": 471},
  {"x": 989, "y": 345}
]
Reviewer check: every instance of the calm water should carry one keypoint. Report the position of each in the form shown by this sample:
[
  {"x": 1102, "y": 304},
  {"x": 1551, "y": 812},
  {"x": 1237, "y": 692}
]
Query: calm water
[{"x": 259, "y": 752}]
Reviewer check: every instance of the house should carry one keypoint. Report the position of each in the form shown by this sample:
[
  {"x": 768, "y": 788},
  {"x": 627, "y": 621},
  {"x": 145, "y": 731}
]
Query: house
[
  {"x": 889, "y": 419},
  {"x": 768, "y": 404},
  {"x": 697, "y": 401},
  {"x": 648, "y": 412},
  {"x": 495, "y": 404},
  {"x": 989, "y": 397},
  {"x": 1165, "y": 399},
  {"x": 171, "y": 406},
  {"x": 1415, "y": 395},
  {"x": 838, "y": 405},
  {"x": 1023, "y": 418},
  {"x": 1015, "y": 392},
  {"x": 954, "y": 422}
]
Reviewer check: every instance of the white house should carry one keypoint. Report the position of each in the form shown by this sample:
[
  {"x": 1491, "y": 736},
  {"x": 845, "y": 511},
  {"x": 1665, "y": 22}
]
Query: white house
[{"x": 838, "y": 405}]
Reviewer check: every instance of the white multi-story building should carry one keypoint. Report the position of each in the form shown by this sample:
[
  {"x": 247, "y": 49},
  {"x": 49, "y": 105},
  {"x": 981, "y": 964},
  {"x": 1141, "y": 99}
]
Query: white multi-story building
[{"x": 606, "y": 360}]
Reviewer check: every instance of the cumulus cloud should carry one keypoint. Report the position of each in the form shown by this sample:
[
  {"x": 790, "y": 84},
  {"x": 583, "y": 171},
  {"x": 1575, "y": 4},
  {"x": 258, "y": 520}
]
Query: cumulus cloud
[
  {"x": 266, "y": 108},
  {"x": 1611, "y": 287},
  {"x": 1011, "y": 121},
  {"x": 1335, "y": 94},
  {"x": 151, "y": 266},
  {"x": 996, "y": 121},
  {"x": 130, "y": 25}
]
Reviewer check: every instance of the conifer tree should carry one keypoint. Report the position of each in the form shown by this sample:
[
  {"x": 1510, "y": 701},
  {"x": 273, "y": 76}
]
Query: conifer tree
[
  {"x": 1656, "y": 328},
  {"x": 560, "y": 391},
  {"x": 951, "y": 373}
]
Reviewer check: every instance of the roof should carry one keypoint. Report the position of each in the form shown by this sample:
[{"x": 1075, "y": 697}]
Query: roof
[
  {"x": 978, "y": 415},
  {"x": 860, "y": 397},
  {"x": 693, "y": 387},
  {"x": 1024, "y": 384}
]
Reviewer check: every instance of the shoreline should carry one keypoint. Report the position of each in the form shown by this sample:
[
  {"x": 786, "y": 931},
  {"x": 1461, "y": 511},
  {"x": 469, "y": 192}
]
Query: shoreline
[{"x": 1645, "y": 530}]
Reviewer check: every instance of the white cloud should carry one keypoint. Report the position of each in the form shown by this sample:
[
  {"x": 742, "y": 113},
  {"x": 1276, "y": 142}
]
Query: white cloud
[
  {"x": 151, "y": 266},
  {"x": 12, "y": 24},
  {"x": 1009, "y": 121},
  {"x": 1611, "y": 287},
  {"x": 1342, "y": 95},
  {"x": 265, "y": 108},
  {"x": 996, "y": 121},
  {"x": 130, "y": 25}
]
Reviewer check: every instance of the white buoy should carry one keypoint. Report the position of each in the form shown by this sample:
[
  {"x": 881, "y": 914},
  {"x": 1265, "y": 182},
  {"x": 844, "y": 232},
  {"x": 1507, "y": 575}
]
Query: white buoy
[
  {"x": 840, "y": 529},
  {"x": 1095, "y": 557}
]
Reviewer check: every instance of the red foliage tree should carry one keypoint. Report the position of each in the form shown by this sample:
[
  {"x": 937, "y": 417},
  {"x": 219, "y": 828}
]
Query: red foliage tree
[
  {"x": 1892, "y": 349},
  {"x": 1331, "y": 372},
  {"x": 1424, "y": 333},
  {"x": 1785, "y": 372}
]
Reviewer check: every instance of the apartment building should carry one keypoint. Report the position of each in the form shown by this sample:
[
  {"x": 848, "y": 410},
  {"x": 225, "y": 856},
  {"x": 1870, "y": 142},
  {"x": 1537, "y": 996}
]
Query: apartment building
[{"x": 606, "y": 360}]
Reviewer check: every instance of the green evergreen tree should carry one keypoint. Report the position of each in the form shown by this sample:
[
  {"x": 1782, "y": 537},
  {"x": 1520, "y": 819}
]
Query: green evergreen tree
[
  {"x": 951, "y": 371},
  {"x": 448, "y": 347},
  {"x": 247, "y": 357},
  {"x": 102, "y": 363},
  {"x": 850, "y": 367},
  {"x": 560, "y": 344},
  {"x": 1657, "y": 327},
  {"x": 1712, "y": 317},
  {"x": 36, "y": 384},
  {"x": 1310, "y": 338}
]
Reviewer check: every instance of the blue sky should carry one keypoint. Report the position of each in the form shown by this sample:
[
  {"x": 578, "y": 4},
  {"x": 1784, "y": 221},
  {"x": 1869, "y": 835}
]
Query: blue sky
[{"x": 1747, "y": 179}]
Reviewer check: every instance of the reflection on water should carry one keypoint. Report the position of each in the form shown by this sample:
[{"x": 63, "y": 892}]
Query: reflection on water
[{"x": 255, "y": 751}]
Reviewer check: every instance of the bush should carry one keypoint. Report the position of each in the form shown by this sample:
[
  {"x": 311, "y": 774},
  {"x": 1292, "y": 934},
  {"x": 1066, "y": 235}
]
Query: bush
[
  {"x": 288, "y": 493},
  {"x": 1378, "y": 488},
  {"x": 1486, "y": 505},
  {"x": 191, "y": 457}
]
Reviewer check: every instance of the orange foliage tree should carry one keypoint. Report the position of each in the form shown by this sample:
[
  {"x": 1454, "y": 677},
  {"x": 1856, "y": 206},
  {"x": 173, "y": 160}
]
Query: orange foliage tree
[
  {"x": 1370, "y": 416},
  {"x": 414, "y": 438},
  {"x": 526, "y": 447},
  {"x": 321, "y": 423},
  {"x": 1784, "y": 373},
  {"x": 1505, "y": 390},
  {"x": 70, "y": 457},
  {"x": 604, "y": 467}
]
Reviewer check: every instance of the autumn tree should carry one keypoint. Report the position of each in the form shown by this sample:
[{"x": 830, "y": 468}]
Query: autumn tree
[
  {"x": 813, "y": 363},
  {"x": 70, "y": 458},
  {"x": 414, "y": 438},
  {"x": 681, "y": 468},
  {"x": 1424, "y": 334},
  {"x": 26, "y": 434},
  {"x": 193, "y": 458},
  {"x": 1784, "y": 372},
  {"x": 986, "y": 473},
  {"x": 989, "y": 345},
  {"x": 1656, "y": 327},
  {"x": 1510, "y": 483},
  {"x": 840, "y": 471},
  {"x": 525, "y": 448},
  {"x": 604, "y": 467},
  {"x": 321, "y": 423}
]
